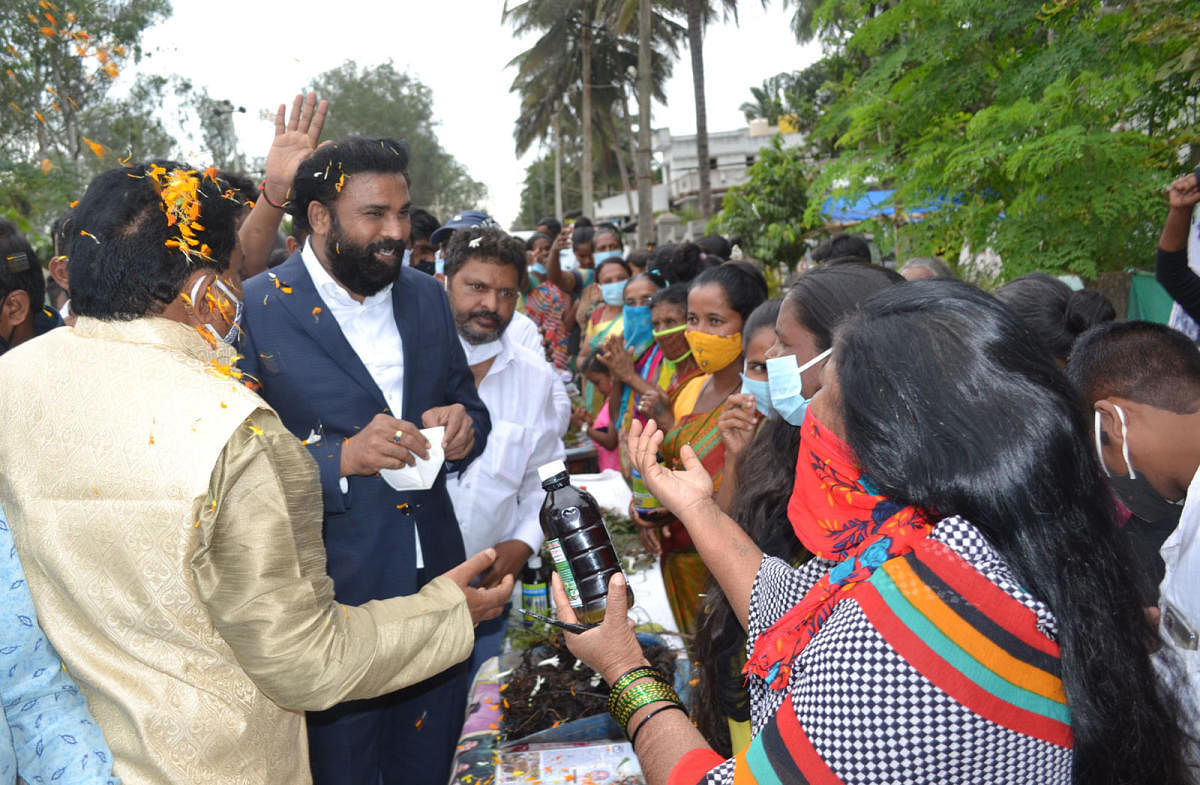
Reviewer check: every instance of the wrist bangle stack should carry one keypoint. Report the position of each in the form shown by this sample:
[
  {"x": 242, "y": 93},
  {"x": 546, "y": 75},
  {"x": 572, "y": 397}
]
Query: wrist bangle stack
[
  {"x": 262, "y": 188},
  {"x": 629, "y": 677},
  {"x": 639, "y": 696}
]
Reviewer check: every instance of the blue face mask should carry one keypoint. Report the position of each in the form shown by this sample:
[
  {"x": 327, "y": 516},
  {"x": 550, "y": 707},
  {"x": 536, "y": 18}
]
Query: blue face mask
[
  {"x": 538, "y": 268},
  {"x": 604, "y": 256},
  {"x": 613, "y": 293},
  {"x": 638, "y": 330},
  {"x": 787, "y": 388},
  {"x": 762, "y": 395}
]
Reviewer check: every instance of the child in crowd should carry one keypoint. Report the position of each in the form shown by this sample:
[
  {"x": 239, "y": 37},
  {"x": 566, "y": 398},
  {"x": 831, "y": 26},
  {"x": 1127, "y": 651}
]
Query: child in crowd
[{"x": 601, "y": 432}]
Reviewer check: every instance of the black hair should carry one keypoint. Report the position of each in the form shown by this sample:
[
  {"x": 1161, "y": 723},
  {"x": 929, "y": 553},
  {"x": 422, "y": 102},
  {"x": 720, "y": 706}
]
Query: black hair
[
  {"x": 766, "y": 474},
  {"x": 824, "y": 295},
  {"x": 593, "y": 364},
  {"x": 242, "y": 185},
  {"x": 1053, "y": 311},
  {"x": 20, "y": 268},
  {"x": 476, "y": 242},
  {"x": 582, "y": 235},
  {"x": 842, "y": 248},
  {"x": 583, "y": 220},
  {"x": 424, "y": 224},
  {"x": 533, "y": 238},
  {"x": 976, "y": 420},
  {"x": 675, "y": 294},
  {"x": 614, "y": 260},
  {"x": 934, "y": 264},
  {"x": 1139, "y": 361},
  {"x": 61, "y": 231},
  {"x": 319, "y": 178},
  {"x": 715, "y": 245},
  {"x": 763, "y": 316},
  {"x": 120, "y": 264},
  {"x": 277, "y": 257},
  {"x": 650, "y": 275},
  {"x": 53, "y": 292},
  {"x": 687, "y": 260},
  {"x": 607, "y": 228},
  {"x": 745, "y": 287},
  {"x": 551, "y": 223},
  {"x": 640, "y": 259},
  {"x": 660, "y": 259}
]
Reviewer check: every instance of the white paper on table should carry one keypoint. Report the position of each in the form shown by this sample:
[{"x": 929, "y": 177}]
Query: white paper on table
[{"x": 421, "y": 476}]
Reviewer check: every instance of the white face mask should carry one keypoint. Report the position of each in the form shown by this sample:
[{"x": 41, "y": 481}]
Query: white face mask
[
  {"x": 229, "y": 337},
  {"x": 481, "y": 352}
]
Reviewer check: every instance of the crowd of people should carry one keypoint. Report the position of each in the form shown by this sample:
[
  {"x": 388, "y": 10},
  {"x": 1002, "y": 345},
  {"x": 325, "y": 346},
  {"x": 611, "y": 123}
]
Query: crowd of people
[{"x": 269, "y": 470}]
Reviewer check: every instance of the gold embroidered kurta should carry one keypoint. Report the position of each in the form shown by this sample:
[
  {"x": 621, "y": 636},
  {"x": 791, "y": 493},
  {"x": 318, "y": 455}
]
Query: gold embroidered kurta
[{"x": 170, "y": 530}]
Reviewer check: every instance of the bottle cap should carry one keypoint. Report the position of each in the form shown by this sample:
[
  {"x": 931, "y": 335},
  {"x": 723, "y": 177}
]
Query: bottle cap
[
  {"x": 535, "y": 562},
  {"x": 550, "y": 470}
]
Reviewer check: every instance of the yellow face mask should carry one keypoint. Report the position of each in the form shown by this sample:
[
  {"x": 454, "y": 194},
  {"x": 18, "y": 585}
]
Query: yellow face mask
[{"x": 714, "y": 352}]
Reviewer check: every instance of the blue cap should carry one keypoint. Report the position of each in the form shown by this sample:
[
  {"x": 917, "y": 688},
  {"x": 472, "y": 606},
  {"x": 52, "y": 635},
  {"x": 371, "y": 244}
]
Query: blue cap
[{"x": 461, "y": 221}]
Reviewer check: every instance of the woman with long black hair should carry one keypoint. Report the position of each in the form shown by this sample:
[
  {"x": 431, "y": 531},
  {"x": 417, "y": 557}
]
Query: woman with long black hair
[
  {"x": 968, "y": 617},
  {"x": 763, "y": 475}
]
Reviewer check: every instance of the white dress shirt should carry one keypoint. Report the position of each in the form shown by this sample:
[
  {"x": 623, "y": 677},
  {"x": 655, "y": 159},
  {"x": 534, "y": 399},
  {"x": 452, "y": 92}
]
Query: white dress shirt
[
  {"x": 370, "y": 329},
  {"x": 1179, "y": 597},
  {"x": 522, "y": 331},
  {"x": 499, "y": 495}
]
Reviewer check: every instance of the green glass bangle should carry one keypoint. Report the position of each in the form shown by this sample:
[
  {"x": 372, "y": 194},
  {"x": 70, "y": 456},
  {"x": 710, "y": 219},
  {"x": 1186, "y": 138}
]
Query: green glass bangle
[
  {"x": 629, "y": 677},
  {"x": 641, "y": 695},
  {"x": 650, "y": 716}
]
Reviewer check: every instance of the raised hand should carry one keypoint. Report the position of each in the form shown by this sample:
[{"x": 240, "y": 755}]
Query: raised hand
[
  {"x": 737, "y": 424},
  {"x": 1184, "y": 193},
  {"x": 618, "y": 359},
  {"x": 294, "y": 141},
  {"x": 682, "y": 492}
]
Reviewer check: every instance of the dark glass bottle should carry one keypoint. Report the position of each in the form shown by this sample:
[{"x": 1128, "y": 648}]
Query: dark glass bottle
[{"x": 579, "y": 544}]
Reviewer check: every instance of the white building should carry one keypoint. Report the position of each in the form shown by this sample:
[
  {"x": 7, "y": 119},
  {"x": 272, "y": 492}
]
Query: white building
[{"x": 730, "y": 155}]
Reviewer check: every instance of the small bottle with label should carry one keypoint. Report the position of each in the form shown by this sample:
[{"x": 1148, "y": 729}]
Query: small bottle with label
[
  {"x": 579, "y": 543},
  {"x": 535, "y": 587}
]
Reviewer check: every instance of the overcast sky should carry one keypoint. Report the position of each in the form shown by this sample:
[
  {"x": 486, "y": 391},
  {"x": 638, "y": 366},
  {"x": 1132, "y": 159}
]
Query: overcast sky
[{"x": 259, "y": 54}]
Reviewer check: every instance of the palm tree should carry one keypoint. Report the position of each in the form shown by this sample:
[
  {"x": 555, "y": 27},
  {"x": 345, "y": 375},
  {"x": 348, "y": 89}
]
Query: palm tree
[
  {"x": 768, "y": 100},
  {"x": 576, "y": 71},
  {"x": 699, "y": 13}
]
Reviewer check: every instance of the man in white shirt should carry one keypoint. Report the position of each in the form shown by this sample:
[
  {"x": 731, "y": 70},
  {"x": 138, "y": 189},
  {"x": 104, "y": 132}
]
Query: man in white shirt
[
  {"x": 497, "y": 498},
  {"x": 1141, "y": 382}
]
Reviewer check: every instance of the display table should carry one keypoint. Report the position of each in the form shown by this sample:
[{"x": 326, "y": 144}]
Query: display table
[{"x": 590, "y": 751}]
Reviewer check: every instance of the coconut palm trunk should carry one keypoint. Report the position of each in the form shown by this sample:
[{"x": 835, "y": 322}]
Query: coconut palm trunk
[
  {"x": 585, "y": 50},
  {"x": 695, "y": 35}
]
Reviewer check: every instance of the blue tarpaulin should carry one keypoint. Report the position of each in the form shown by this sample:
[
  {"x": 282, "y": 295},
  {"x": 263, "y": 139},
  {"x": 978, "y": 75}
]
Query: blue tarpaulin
[{"x": 872, "y": 204}]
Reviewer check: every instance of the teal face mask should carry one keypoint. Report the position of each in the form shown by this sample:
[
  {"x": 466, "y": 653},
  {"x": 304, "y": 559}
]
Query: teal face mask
[
  {"x": 762, "y": 395},
  {"x": 604, "y": 256},
  {"x": 787, "y": 388}
]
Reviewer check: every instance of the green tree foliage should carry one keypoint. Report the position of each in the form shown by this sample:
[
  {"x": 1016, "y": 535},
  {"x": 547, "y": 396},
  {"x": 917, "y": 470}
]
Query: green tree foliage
[
  {"x": 380, "y": 101},
  {"x": 767, "y": 212},
  {"x": 1049, "y": 130},
  {"x": 59, "y": 123},
  {"x": 549, "y": 77}
]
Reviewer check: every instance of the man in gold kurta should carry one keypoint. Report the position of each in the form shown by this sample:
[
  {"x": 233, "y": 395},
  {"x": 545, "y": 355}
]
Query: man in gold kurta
[{"x": 170, "y": 524}]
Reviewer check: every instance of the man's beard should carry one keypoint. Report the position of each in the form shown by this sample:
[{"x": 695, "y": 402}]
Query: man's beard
[
  {"x": 356, "y": 267},
  {"x": 475, "y": 336}
]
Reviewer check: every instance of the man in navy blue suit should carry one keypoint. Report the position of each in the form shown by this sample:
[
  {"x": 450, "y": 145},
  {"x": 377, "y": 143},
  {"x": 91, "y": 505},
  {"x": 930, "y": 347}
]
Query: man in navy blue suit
[{"x": 357, "y": 352}]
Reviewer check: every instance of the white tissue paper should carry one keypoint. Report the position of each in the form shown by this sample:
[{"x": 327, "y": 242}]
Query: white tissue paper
[{"x": 421, "y": 476}]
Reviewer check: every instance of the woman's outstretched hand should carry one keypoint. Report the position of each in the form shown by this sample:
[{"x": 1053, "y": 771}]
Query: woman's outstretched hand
[
  {"x": 682, "y": 492},
  {"x": 611, "y": 647}
]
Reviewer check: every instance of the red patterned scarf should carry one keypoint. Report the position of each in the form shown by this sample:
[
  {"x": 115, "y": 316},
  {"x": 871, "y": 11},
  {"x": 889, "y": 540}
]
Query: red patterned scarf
[{"x": 838, "y": 517}]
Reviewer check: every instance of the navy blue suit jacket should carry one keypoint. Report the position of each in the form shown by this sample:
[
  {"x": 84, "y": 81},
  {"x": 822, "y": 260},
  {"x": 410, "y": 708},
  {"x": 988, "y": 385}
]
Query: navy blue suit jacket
[{"x": 312, "y": 377}]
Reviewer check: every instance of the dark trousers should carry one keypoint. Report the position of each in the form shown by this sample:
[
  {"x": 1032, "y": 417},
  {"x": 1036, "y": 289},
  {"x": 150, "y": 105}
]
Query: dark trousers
[{"x": 405, "y": 737}]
